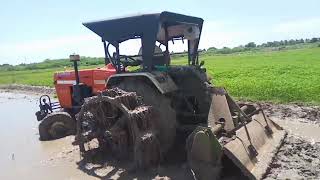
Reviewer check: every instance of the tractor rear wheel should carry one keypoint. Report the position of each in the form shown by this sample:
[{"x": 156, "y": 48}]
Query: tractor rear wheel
[
  {"x": 56, "y": 125},
  {"x": 165, "y": 120}
]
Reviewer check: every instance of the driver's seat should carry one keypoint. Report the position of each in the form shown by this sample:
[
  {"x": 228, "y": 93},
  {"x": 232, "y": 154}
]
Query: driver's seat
[{"x": 158, "y": 57}]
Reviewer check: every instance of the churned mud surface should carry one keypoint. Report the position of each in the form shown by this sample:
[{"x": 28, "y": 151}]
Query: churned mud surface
[
  {"x": 18, "y": 88},
  {"x": 24, "y": 156},
  {"x": 297, "y": 159},
  {"x": 310, "y": 114}
]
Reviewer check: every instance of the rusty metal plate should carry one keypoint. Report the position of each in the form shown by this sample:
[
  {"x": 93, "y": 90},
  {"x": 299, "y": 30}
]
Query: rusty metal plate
[
  {"x": 266, "y": 145},
  {"x": 219, "y": 108}
]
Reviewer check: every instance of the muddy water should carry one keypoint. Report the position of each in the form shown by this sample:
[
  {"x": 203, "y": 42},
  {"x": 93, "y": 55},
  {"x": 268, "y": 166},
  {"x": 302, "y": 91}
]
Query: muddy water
[
  {"x": 22, "y": 155},
  {"x": 299, "y": 156},
  {"x": 308, "y": 131}
]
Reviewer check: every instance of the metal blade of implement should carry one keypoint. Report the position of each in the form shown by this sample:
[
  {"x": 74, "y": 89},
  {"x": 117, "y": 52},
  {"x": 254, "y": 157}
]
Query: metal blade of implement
[{"x": 265, "y": 142}]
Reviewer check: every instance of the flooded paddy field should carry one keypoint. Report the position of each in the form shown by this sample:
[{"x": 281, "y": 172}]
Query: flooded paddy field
[{"x": 23, "y": 156}]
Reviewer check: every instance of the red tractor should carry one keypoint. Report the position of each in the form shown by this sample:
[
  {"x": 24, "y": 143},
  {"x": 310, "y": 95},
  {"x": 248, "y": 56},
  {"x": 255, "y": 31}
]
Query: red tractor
[
  {"x": 58, "y": 118},
  {"x": 159, "y": 106}
]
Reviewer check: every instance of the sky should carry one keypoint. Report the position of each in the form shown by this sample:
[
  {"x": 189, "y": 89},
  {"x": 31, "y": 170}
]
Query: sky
[{"x": 34, "y": 30}]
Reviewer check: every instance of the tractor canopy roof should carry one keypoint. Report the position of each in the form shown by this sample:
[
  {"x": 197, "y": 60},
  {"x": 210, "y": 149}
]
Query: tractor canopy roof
[{"x": 148, "y": 26}]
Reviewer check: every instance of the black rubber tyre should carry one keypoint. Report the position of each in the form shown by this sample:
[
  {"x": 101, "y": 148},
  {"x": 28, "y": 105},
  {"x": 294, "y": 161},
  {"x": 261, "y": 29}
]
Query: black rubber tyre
[
  {"x": 56, "y": 125},
  {"x": 165, "y": 121}
]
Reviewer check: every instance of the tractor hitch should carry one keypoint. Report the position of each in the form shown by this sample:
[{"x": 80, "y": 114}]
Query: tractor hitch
[{"x": 46, "y": 107}]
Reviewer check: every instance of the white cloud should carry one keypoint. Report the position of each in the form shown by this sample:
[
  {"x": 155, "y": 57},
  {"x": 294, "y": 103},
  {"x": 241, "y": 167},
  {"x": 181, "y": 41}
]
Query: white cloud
[
  {"x": 60, "y": 47},
  {"x": 215, "y": 33},
  {"x": 302, "y": 28},
  {"x": 221, "y": 34}
]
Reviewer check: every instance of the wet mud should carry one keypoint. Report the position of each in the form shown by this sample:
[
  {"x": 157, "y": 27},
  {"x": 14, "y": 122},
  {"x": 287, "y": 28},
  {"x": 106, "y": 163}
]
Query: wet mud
[
  {"x": 25, "y": 156},
  {"x": 296, "y": 159},
  {"x": 308, "y": 114},
  {"x": 19, "y": 88}
]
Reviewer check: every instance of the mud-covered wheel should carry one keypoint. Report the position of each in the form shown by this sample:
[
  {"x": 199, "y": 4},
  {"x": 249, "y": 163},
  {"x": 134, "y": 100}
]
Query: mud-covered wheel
[
  {"x": 56, "y": 125},
  {"x": 166, "y": 115}
]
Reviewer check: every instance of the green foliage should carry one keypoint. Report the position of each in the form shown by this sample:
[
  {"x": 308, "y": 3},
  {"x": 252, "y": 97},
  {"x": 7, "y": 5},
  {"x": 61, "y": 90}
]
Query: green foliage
[
  {"x": 250, "y": 45},
  {"x": 278, "y": 75},
  {"x": 313, "y": 40},
  {"x": 270, "y": 46},
  {"x": 48, "y": 64}
]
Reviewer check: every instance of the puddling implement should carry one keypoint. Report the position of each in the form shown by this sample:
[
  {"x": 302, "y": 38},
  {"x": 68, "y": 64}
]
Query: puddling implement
[
  {"x": 241, "y": 136},
  {"x": 121, "y": 126},
  {"x": 237, "y": 139}
]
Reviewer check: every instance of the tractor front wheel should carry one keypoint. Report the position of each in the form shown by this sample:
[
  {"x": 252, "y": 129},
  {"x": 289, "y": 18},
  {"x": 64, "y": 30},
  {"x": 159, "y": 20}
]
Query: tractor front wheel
[{"x": 56, "y": 125}]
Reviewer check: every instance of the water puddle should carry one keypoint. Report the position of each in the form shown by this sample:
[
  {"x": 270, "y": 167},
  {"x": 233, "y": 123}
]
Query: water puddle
[{"x": 22, "y": 155}]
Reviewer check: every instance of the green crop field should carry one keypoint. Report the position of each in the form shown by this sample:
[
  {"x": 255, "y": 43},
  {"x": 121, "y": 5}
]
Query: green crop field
[
  {"x": 285, "y": 76},
  {"x": 278, "y": 76}
]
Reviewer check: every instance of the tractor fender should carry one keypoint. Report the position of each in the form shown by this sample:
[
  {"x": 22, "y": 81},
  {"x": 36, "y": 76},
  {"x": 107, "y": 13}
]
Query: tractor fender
[{"x": 162, "y": 81}]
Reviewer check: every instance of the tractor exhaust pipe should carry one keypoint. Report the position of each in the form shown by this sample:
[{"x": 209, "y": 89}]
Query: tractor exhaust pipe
[{"x": 76, "y": 88}]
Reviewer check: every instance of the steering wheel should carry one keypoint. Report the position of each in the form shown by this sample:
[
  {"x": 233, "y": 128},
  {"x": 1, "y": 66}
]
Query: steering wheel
[{"x": 129, "y": 61}]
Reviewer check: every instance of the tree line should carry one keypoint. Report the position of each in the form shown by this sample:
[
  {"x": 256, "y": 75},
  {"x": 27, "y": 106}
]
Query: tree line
[{"x": 279, "y": 45}]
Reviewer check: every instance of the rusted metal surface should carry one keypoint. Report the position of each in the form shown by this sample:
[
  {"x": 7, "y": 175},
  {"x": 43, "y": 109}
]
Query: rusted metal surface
[
  {"x": 266, "y": 145},
  {"x": 246, "y": 136},
  {"x": 220, "y": 112}
]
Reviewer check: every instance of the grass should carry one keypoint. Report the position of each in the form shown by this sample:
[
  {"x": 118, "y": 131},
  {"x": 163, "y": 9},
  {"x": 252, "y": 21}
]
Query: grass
[
  {"x": 278, "y": 76},
  {"x": 283, "y": 76},
  {"x": 29, "y": 77}
]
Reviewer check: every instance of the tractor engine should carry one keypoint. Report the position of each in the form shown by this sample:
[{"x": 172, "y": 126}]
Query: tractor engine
[{"x": 92, "y": 80}]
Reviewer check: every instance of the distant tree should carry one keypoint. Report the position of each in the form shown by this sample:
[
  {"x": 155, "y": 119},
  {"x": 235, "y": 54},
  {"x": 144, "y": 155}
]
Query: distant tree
[
  {"x": 313, "y": 40},
  {"x": 250, "y": 45},
  {"x": 269, "y": 44},
  {"x": 292, "y": 42},
  {"x": 264, "y": 45},
  {"x": 282, "y": 43},
  {"x": 301, "y": 40},
  {"x": 212, "y": 48},
  {"x": 238, "y": 49},
  {"x": 276, "y": 43}
]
